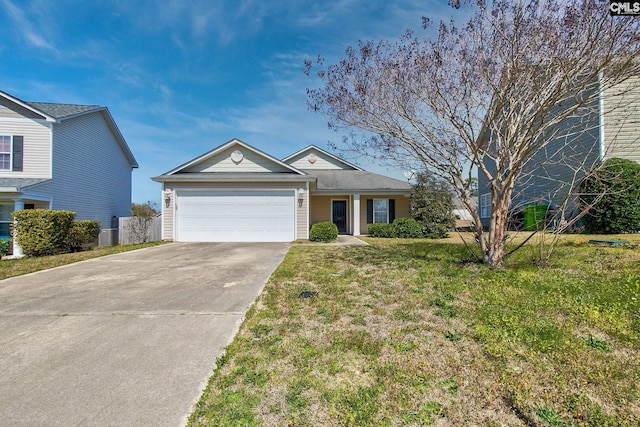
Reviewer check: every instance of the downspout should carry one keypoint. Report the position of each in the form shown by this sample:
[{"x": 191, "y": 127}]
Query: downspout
[{"x": 601, "y": 116}]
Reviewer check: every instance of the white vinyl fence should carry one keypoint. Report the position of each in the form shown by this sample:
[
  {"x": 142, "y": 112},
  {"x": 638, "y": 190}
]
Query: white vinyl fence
[{"x": 135, "y": 229}]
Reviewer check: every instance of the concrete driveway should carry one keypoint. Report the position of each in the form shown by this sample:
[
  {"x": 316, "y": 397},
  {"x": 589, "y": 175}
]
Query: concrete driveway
[{"x": 124, "y": 340}]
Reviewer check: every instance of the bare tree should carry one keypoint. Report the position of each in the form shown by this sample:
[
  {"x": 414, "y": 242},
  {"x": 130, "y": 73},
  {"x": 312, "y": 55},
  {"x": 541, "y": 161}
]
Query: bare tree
[
  {"x": 142, "y": 220},
  {"x": 516, "y": 84}
]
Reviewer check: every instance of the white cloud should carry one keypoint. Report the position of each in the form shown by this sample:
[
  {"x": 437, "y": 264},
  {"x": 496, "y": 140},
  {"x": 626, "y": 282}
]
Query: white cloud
[{"x": 31, "y": 32}]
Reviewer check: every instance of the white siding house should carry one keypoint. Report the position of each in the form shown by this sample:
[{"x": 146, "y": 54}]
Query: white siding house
[{"x": 63, "y": 156}]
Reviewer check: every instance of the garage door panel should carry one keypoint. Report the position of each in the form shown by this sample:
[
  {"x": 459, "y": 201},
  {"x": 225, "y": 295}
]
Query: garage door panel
[{"x": 249, "y": 216}]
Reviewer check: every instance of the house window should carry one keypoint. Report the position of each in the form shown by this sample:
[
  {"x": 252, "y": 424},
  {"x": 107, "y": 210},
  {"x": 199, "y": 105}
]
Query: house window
[
  {"x": 5, "y": 152},
  {"x": 485, "y": 205},
  {"x": 381, "y": 210},
  {"x": 5, "y": 221}
]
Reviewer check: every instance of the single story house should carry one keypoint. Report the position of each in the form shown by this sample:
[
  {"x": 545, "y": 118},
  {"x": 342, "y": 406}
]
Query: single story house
[{"x": 237, "y": 193}]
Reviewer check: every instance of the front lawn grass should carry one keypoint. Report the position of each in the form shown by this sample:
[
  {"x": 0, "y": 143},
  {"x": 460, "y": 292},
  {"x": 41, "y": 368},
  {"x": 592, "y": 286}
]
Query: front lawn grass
[
  {"x": 18, "y": 267},
  {"x": 402, "y": 332}
]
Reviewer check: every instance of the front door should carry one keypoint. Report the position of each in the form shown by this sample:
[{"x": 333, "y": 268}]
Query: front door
[{"x": 339, "y": 214}]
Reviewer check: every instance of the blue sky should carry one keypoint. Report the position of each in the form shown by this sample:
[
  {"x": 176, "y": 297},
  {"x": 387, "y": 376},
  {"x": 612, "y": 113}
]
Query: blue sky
[{"x": 182, "y": 77}]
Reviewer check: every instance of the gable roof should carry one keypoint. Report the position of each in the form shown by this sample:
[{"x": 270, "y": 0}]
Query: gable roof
[
  {"x": 227, "y": 145},
  {"x": 324, "y": 152},
  {"x": 56, "y": 113}
]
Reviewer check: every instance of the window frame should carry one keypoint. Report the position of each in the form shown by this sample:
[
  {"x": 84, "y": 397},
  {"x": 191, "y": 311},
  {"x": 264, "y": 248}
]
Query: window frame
[
  {"x": 9, "y": 153},
  {"x": 8, "y": 210},
  {"x": 380, "y": 211},
  {"x": 485, "y": 205}
]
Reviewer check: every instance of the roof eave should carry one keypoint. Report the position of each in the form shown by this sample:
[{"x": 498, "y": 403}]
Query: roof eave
[
  {"x": 324, "y": 152},
  {"x": 213, "y": 177},
  {"x": 366, "y": 191},
  {"x": 116, "y": 132},
  {"x": 28, "y": 107}
]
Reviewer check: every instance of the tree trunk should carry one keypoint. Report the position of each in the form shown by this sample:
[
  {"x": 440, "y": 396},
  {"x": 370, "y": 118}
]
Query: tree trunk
[{"x": 493, "y": 252}]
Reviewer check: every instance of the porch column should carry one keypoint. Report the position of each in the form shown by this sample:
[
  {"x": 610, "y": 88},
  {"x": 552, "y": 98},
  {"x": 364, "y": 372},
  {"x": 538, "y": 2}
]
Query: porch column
[
  {"x": 356, "y": 214},
  {"x": 18, "y": 205}
]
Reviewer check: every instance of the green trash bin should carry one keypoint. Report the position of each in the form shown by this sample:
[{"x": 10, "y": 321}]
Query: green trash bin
[{"x": 534, "y": 216}]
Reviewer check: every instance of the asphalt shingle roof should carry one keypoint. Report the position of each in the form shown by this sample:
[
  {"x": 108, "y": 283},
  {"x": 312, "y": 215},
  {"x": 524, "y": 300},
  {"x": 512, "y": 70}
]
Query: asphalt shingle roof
[
  {"x": 20, "y": 182},
  {"x": 351, "y": 180},
  {"x": 60, "y": 111}
]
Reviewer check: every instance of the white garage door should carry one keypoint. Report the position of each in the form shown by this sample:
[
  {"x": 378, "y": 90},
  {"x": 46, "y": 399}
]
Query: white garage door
[{"x": 235, "y": 216}]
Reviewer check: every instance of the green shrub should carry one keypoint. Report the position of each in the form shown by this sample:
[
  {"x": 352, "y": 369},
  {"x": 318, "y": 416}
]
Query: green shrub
[
  {"x": 323, "y": 232},
  {"x": 5, "y": 246},
  {"x": 41, "y": 231},
  {"x": 382, "y": 229},
  {"x": 82, "y": 232},
  {"x": 617, "y": 182},
  {"x": 431, "y": 204},
  {"x": 407, "y": 228},
  {"x": 433, "y": 230}
]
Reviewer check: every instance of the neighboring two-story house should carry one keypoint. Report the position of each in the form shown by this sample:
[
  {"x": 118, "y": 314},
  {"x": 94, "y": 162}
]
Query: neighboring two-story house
[
  {"x": 63, "y": 156},
  {"x": 237, "y": 193},
  {"x": 609, "y": 128}
]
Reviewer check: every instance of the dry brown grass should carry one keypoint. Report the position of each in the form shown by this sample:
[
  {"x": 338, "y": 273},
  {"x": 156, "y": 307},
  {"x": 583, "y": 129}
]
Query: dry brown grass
[{"x": 402, "y": 333}]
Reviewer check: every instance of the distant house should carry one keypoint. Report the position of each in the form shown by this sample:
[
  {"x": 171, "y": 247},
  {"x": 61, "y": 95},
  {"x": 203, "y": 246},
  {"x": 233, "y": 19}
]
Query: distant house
[
  {"x": 63, "y": 156},
  {"x": 610, "y": 129},
  {"x": 237, "y": 193}
]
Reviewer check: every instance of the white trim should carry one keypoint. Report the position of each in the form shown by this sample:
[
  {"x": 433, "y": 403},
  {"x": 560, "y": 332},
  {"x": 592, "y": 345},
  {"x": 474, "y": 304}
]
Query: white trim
[
  {"x": 310, "y": 147},
  {"x": 373, "y": 209},
  {"x": 50, "y": 151},
  {"x": 601, "y": 116},
  {"x": 18, "y": 204},
  {"x": 10, "y": 154},
  {"x": 308, "y": 211},
  {"x": 27, "y": 106},
  {"x": 356, "y": 214}
]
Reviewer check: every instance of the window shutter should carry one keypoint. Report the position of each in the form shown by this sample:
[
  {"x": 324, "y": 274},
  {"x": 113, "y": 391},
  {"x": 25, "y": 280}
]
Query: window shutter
[
  {"x": 392, "y": 210},
  {"x": 18, "y": 146},
  {"x": 369, "y": 211}
]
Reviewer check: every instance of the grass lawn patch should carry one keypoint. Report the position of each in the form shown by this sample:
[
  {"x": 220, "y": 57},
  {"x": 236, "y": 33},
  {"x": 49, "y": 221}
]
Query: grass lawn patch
[
  {"x": 401, "y": 332},
  {"x": 18, "y": 267}
]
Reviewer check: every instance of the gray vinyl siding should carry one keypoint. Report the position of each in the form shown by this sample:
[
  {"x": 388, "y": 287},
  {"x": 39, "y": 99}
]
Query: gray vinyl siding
[
  {"x": 549, "y": 175},
  {"x": 91, "y": 174},
  {"x": 37, "y": 147},
  {"x": 621, "y": 114}
]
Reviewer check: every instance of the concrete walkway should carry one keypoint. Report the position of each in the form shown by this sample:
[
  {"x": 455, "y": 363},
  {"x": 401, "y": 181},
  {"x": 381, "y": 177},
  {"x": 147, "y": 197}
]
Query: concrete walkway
[{"x": 124, "y": 340}]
